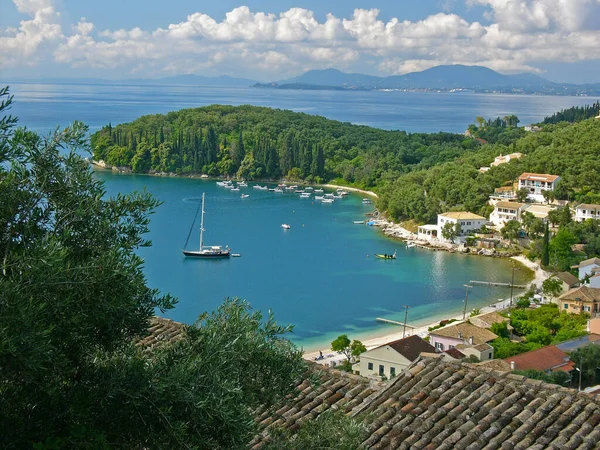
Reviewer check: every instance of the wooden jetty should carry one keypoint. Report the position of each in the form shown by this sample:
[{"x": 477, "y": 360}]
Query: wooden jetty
[
  {"x": 393, "y": 322},
  {"x": 493, "y": 283}
]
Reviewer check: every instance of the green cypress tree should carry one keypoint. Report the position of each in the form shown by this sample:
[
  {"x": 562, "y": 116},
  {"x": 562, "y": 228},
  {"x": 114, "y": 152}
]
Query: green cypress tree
[{"x": 546, "y": 247}]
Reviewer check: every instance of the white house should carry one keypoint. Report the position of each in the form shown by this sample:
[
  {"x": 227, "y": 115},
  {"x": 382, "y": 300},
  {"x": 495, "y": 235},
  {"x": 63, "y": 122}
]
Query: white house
[
  {"x": 539, "y": 211},
  {"x": 505, "y": 211},
  {"x": 587, "y": 267},
  {"x": 587, "y": 211},
  {"x": 390, "y": 359},
  {"x": 537, "y": 183},
  {"x": 503, "y": 159},
  {"x": 468, "y": 222},
  {"x": 466, "y": 337},
  {"x": 428, "y": 232}
]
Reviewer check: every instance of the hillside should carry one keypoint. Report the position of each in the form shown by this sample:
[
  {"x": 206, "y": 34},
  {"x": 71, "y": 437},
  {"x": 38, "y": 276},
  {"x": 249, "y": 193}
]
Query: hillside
[
  {"x": 445, "y": 78},
  {"x": 416, "y": 175}
]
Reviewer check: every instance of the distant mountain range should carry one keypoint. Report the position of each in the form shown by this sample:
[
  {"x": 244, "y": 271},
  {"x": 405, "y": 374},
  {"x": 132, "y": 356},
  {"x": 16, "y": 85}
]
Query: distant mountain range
[{"x": 440, "y": 78}]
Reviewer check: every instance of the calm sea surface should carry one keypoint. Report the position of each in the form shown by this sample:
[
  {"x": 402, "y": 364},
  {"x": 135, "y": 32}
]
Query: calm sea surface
[{"x": 316, "y": 275}]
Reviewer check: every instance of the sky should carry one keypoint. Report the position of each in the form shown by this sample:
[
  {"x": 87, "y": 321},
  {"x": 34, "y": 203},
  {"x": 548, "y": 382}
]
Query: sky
[{"x": 269, "y": 40}]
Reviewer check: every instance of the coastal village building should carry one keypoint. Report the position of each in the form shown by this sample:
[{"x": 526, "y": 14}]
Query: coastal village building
[
  {"x": 581, "y": 299},
  {"x": 503, "y": 194},
  {"x": 469, "y": 335},
  {"x": 443, "y": 405},
  {"x": 546, "y": 359},
  {"x": 588, "y": 267},
  {"x": 537, "y": 183},
  {"x": 568, "y": 280},
  {"x": 428, "y": 233},
  {"x": 539, "y": 211},
  {"x": 502, "y": 159},
  {"x": 580, "y": 342},
  {"x": 431, "y": 403},
  {"x": 506, "y": 211},
  {"x": 390, "y": 359},
  {"x": 483, "y": 352},
  {"x": 487, "y": 320},
  {"x": 586, "y": 211},
  {"x": 468, "y": 222}
]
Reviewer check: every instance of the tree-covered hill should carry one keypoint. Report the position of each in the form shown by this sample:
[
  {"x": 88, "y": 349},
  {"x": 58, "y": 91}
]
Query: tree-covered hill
[
  {"x": 262, "y": 143},
  {"x": 416, "y": 175},
  {"x": 575, "y": 114},
  {"x": 569, "y": 150}
]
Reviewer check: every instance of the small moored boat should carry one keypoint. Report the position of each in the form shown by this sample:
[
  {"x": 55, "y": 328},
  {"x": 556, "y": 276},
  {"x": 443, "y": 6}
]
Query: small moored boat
[
  {"x": 385, "y": 255},
  {"x": 359, "y": 222},
  {"x": 285, "y": 226}
]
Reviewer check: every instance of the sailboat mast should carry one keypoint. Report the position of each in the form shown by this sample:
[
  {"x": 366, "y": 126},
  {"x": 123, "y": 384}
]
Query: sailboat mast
[{"x": 202, "y": 222}]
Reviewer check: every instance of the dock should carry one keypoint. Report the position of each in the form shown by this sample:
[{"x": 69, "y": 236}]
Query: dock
[
  {"x": 493, "y": 283},
  {"x": 393, "y": 322}
]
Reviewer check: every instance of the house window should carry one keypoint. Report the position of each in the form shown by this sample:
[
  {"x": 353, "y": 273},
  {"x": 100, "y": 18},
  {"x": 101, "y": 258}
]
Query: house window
[
  {"x": 392, "y": 371},
  {"x": 439, "y": 346},
  {"x": 490, "y": 355},
  {"x": 370, "y": 366},
  {"x": 586, "y": 309},
  {"x": 566, "y": 305},
  {"x": 381, "y": 370}
]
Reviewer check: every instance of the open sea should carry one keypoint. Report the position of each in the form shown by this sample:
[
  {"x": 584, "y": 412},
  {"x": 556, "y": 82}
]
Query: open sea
[{"x": 320, "y": 275}]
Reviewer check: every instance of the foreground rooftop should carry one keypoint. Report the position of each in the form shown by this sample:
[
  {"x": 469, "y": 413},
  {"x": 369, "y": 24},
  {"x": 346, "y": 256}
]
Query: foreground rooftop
[{"x": 441, "y": 405}]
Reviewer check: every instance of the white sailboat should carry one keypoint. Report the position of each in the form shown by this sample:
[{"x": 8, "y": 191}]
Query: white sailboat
[{"x": 209, "y": 251}]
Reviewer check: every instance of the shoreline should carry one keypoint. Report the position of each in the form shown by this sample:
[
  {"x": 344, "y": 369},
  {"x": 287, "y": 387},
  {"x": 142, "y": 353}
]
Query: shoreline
[
  {"x": 377, "y": 339},
  {"x": 128, "y": 171}
]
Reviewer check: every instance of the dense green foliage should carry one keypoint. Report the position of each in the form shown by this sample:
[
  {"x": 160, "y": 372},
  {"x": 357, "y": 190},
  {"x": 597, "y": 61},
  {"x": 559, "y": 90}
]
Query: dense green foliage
[
  {"x": 539, "y": 327},
  {"x": 588, "y": 359},
  {"x": 350, "y": 349},
  {"x": 253, "y": 142},
  {"x": 570, "y": 151},
  {"x": 417, "y": 175},
  {"x": 331, "y": 430},
  {"x": 559, "y": 377},
  {"x": 73, "y": 299},
  {"x": 574, "y": 114}
]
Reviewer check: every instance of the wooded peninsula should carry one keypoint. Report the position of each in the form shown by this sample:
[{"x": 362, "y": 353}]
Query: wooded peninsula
[{"x": 416, "y": 175}]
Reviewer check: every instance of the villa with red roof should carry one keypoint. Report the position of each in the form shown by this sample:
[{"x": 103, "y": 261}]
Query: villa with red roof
[{"x": 537, "y": 183}]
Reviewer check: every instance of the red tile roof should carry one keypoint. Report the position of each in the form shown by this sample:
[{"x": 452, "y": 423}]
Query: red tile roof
[
  {"x": 538, "y": 177},
  {"x": 545, "y": 358}
]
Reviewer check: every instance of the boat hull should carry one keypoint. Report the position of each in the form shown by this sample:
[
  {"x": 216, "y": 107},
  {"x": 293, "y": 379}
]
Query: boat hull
[
  {"x": 377, "y": 255},
  {"x": 206, "y": 255}
]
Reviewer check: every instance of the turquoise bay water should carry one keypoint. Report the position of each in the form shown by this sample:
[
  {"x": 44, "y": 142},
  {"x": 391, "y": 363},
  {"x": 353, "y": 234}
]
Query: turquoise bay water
[{"x": 316, "y": 275}]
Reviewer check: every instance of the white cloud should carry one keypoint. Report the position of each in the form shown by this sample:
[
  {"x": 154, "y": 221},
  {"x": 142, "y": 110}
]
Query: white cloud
[
  {"x": 20, "y": 45},
  {"x": 269, "y": 46}
]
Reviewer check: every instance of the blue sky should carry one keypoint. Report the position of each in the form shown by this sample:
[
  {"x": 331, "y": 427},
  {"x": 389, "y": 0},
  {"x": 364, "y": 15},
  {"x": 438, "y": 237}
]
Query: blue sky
[{"x": 269, "y": 40}]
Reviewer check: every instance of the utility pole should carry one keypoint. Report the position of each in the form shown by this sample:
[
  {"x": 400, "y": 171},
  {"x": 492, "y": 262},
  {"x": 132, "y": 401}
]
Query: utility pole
[
  {"x": 466, "y": 300},
  {"x": 405, "y": 317},
  {"x": 580, "y": 370},
  {"x": 512, "y": 283}
]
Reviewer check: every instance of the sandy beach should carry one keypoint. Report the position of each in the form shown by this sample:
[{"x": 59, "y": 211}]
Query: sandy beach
[
  {"x": 331, "y": 357},
  {"x": 350, "y": 189}
]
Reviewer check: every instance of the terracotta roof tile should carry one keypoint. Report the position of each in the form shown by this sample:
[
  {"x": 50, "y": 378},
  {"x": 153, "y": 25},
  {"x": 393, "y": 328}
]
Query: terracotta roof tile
[
  {"x": 410, "y": 347},
  {"x": 568, "y": 278},
  {"x": 466, "y": 330},
  {"x": 440, "y": 405},
  {"x": 582, "y": 293},
  {"x": 545, "y": 358},
  {"x": 161, "y": 331},
  {"x": 538, "y": 177}
]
